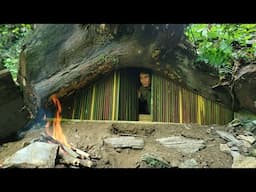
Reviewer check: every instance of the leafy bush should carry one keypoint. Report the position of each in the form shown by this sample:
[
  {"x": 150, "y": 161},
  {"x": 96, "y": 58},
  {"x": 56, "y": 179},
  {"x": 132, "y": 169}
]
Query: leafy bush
[
  {"x": 220, "y": 45},
  {"x": 11, "y": 39}
]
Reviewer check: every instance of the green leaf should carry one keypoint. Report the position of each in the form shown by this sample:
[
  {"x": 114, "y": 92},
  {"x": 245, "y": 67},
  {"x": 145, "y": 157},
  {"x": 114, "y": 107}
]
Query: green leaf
[
  {"x": 204, "y": 32},
  {"x": 11, "y": 36}
]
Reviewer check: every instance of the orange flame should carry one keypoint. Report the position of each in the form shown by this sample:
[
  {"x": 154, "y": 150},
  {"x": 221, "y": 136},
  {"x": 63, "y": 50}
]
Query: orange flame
[{"x": 57, "y": 130}]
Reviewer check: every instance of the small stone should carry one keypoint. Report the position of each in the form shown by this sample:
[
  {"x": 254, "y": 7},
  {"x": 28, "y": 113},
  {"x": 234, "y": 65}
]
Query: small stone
[
  {"x": 211, "y": 139},
  {"x": 248, "y": 133},
  {"x": 246, "y": 144},
  {"x": 249, "y": 139},
  {"x": 204, "y": 165},
  {"x": 35, "y": 155},
  {"x": 250, "y": 126},
  {"x": 230, "y": 144},
  {"x": 211, "y": 130},
  {"x": 235, "y": 154},
  {"x": 244, "y": 149},
  {"x": 125, "y": 142},
  {"x": 190, "y": 163},
  {"x": 224, "y": 148},
  {"x": 182, "y": 144},
  {"x": 234, "y": 123},
  {"x": 253, "y": 152},
  {"x": 244, "y": 162},
  {"x": 229, "y": 137}
]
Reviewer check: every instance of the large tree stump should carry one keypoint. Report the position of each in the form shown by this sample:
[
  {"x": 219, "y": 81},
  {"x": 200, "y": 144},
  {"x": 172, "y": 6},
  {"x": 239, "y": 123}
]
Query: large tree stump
[{"x": 13, "y": 114}]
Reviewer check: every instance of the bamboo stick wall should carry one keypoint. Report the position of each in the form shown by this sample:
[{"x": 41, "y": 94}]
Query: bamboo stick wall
[
  {"x": 115, "y": 98},
  {"x": 172, "y": 103},
  {"x": 128, "y": 105},
  {"x": 99, "y": 101},
  {"x": 82, "y": 101}
]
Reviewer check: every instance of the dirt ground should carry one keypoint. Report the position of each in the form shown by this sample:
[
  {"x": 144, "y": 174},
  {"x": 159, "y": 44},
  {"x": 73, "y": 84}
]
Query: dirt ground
[{"x": 89, "y": 135}]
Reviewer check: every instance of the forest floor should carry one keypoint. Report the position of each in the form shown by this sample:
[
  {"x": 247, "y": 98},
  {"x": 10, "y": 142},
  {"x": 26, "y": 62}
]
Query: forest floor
[{"x": 90, "y": 135}]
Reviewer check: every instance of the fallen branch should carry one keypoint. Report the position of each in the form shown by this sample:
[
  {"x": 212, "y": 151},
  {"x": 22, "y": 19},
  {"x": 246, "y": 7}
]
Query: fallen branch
[
  {"x": 83, "y": 154},
  {"x": 70, "y": 156},
  {"x": 71, "y": 152},
  {"x": 70, "y": 160},
  {"x": 44, "y": 137}
]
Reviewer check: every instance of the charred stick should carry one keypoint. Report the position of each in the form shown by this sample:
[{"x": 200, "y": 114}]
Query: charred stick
[
  {"x": 82, "y": 153},
  {"x": 71, "y": 152},
  {"x": 46, "y": 137},
  {"x": 74, "y": 152},
  {"x": 70, "y": 160}
]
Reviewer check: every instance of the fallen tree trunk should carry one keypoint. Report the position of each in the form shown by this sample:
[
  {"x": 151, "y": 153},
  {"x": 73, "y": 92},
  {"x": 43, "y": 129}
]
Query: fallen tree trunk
[{"x": 58, "y": 59}]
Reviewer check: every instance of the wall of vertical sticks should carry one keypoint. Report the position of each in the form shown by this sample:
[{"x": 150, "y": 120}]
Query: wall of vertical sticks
[
  {"x": 172, "y": 103},
  {"x": 115, "y": 97}
]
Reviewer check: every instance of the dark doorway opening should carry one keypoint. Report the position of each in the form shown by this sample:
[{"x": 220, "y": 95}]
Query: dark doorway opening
[
  {"x": 135, "y": 93},
  {"x": 144, "y": 91}
]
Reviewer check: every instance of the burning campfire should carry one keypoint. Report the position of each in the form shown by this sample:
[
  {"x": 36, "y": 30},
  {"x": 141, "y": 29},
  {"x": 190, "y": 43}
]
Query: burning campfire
[
  {"x": 51, "y": 149},
  {"x": 57, "y": 132},
  {"x": 68, "y": 154}
]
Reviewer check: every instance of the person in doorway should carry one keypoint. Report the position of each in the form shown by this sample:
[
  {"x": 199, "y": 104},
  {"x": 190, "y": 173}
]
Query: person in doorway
[{"x": 144, "y": 92}]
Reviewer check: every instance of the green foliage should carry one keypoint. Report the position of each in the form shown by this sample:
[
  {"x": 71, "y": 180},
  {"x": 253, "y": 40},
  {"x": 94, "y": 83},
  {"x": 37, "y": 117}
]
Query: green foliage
[
  {"x": 11, "y": 39},
  {"x": 153, "y": 161},
  {"x": 220, "y": 45}
]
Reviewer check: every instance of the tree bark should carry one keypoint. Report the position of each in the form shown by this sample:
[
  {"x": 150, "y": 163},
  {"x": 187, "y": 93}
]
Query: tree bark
[
  {"x": 58, "y": 59},
  {"x": 245, "y": 87}
]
